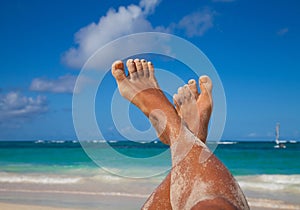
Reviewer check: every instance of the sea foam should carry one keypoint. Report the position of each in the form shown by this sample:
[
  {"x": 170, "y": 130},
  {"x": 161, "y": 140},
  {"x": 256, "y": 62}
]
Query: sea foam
[
  {"x": 37, "y": 179},
  {"x": 283, "y": 183}
]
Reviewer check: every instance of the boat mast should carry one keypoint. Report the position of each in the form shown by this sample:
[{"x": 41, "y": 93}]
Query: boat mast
[{"x": 277, "y": 133}]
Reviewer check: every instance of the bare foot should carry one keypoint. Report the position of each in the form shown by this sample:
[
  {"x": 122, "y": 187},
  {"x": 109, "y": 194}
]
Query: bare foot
[
  {"x": 140, "y": 88},
  {"x": 140, "y": 79},
  {"x": 194, "y": 108}
]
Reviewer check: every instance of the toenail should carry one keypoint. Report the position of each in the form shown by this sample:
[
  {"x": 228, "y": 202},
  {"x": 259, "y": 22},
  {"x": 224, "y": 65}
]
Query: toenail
[
  {"x": 119, "y": 65},
  {"x": 192, "y": 81}
]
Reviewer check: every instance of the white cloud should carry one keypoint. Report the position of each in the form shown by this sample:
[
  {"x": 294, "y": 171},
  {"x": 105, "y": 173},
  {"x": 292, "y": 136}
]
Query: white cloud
[
  {"x": 196, "y": 24},
  {"x": 282, "y": 31},
  {"x": 124, "y": 21},
  {"x": 149, "y": 5},
  {"x": 14, "y": 106},
  {"x": 64, "y": 84}
]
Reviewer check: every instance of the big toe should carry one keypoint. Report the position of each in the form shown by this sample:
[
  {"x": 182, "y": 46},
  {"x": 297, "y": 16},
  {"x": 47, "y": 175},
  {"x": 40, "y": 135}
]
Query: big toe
[
  {"x": 205, "y": 84},
  {"x": 118, "y": 71}
]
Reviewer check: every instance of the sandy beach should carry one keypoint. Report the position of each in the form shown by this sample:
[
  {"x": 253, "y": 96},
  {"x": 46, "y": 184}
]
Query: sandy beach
[
  {"x": 131, "y": 203},
  {"x": 9, "y": 206},
  {"x": 114, "y": 195}
]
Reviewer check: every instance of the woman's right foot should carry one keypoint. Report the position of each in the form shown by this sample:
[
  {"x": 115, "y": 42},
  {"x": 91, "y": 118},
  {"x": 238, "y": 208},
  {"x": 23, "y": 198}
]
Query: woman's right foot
[{"x": 194, "y": 108}]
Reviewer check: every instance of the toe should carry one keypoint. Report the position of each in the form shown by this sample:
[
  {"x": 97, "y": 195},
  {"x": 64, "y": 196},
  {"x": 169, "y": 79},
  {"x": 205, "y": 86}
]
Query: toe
[
  {"x": 193, "y": 87},
  {"x": 151, "y": 74},
  {"x": 186, "y": 92},
  {"x": 180, "y": 98},
  {"x": 180, "y": 92},
  {"x": 145, "y": 67},
  {"x": 151, "y": 69},
  {"x": 205, "y": 84},
  {"x": 139, "y": 67},
  {"x": 131, "y": 68},
  {"x": 118, "y": 71}
]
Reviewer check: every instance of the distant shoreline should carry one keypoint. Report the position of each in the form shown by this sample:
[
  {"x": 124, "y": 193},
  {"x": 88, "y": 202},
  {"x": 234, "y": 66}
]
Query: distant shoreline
[{"x": 155, "y": 141}]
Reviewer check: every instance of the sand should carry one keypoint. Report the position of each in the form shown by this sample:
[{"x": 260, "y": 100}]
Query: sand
[
  {"x": 107, "y": 196},
  {"x": 9, "y": 206},
  {"x": 120, "y": 202},
  {"x": 256, "y": 204}
]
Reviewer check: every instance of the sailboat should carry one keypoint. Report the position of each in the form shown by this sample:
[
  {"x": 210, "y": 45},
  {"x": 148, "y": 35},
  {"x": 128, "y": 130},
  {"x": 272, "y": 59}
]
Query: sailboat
[{"x": 278, "y": 143}]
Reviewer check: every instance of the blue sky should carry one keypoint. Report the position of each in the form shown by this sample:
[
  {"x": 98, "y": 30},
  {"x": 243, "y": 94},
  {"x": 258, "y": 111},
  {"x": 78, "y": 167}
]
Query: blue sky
[{"x": 254, "y": 46}]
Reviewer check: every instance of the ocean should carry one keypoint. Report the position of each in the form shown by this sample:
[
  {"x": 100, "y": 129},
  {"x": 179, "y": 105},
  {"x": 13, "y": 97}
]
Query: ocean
[{"x": 30, "y": 171}]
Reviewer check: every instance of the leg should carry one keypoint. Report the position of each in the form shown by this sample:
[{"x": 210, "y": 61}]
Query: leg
[
  {"x": 193, "y": 181},
  {"x": 160, "y": 198},
  {"x": 195, "y": 109}
]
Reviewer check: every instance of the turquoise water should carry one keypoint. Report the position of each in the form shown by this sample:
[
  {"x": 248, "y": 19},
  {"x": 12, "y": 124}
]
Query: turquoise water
[
  {"x": 254, "y": 158},
  {"x": 242, "y": 158},
  {"x": 51, "y": 168}
]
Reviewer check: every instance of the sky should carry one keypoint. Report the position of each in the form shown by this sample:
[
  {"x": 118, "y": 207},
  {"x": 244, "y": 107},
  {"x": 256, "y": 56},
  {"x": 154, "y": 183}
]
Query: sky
[{"x": 253, "y": 45}]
